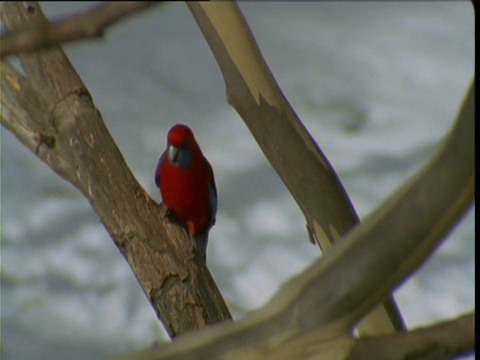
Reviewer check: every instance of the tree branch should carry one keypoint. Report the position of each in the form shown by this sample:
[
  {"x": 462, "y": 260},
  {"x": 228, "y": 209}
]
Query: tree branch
[
  {"x": 54, "y": 99},
  {"x": 293, "y": 153},
  {"x": 441, "y": 341},
  {"x": 90, "y": 24}
]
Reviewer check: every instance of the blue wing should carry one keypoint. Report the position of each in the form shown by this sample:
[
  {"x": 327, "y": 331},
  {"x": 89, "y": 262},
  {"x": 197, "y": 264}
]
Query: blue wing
[
  {"x": 201, "y": 239},
  {"x": 157, "y": 174},
  {"x": 212, "y": 197},
  {"x": 212, "y": 203}
]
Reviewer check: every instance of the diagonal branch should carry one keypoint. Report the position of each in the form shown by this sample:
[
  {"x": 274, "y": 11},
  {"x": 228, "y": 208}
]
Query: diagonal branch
[
  {"x": 298, "y": 160},
  {"x": 52, "y": 98},
  {"x": 441, "y": 341},
  {"x": 252, "y": 90},
  {"x": 90, "y": 24},
  {"x": 398, "y": 237}
]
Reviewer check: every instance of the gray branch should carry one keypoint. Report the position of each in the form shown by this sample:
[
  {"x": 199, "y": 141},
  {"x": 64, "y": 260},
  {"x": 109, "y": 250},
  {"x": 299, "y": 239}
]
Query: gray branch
[{"x": 91, "y": 24}]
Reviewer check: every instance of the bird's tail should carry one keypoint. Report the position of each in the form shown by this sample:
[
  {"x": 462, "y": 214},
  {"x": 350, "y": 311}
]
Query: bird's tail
[{"x": 201, "y": 241}]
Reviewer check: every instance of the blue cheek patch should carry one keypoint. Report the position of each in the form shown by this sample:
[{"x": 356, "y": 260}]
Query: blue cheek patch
[{"x": 179, "y": 157}]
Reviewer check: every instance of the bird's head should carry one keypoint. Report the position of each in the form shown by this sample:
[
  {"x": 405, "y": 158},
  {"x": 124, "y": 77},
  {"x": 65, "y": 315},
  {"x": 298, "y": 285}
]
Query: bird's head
[{"x": 181, "y": 144}]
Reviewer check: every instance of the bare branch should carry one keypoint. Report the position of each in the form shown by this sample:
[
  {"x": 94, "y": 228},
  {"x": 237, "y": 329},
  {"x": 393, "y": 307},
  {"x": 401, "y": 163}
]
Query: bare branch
[
  {"x": 90, "y": 24},
  {"x": 441, "y": 341},
  {"x": 392, "y": 242},
  {"x": 253, "y": 92},
  {"x": 293, "y": 153}
]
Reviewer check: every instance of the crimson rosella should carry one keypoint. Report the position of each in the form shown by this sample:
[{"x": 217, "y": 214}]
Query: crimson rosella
[{"x": 187, "y": 186}]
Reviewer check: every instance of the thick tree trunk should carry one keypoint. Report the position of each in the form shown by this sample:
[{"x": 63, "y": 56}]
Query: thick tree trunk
[{"x": 53, "y": 114}]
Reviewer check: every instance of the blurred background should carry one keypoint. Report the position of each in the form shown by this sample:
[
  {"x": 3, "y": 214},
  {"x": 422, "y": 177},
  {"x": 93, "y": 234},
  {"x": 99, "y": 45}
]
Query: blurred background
[{"x": 377, "y": 85}]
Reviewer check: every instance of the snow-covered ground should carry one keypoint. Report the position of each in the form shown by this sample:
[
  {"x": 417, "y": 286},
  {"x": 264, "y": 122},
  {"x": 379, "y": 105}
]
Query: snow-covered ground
[{"x": 377, "y": 85}]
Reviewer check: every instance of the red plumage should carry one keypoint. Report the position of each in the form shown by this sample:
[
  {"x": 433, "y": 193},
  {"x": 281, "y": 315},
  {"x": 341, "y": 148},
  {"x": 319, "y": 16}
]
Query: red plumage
[{"x": 186, "y": 182}]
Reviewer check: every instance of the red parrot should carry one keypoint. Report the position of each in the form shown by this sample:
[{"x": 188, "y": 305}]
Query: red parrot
[{"x": 187, "y": 185}]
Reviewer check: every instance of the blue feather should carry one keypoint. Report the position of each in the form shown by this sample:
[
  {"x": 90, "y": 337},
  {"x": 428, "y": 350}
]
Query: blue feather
[
  {"x": 157, "y": 174},
  {"x": 212, "y": 204},
  {"x": 201, "y": 239},
  {"x": 178, "y": 156}
]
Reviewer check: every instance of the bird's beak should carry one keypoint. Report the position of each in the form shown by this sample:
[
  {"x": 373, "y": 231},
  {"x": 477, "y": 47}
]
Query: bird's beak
[{"x": 173, "y": 153}]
